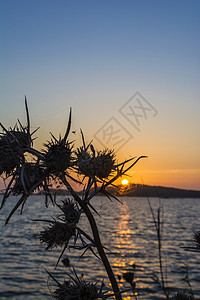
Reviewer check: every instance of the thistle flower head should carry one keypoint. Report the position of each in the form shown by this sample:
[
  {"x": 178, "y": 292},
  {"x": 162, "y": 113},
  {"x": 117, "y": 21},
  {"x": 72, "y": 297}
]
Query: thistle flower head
[
  {"x": 79, "y": 290},
  {"x": 10, "y": 156},
  {"x": 104, "y": 163},
  {"x": 57, "y": 234},
  {"x": 84, "y": 162},
  {"x": 58, "y": 153},
  {"x": 13, "y": 144},
  {"x": 70, "y": 211},
  {"x": 61, "y": 230},
  {"x": 96, "y": 164},
  {"x": 57, "y": 156}
]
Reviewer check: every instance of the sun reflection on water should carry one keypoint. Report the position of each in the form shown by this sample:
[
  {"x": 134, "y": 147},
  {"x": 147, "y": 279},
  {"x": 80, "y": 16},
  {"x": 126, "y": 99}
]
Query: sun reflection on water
[
  {"x": 124, "y": 233},
  {"x": 124, "y": 240}
]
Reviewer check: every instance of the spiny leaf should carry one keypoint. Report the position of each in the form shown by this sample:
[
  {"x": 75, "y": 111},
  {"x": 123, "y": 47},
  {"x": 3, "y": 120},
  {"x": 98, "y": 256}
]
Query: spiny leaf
[{"x": 68, "y": 126}]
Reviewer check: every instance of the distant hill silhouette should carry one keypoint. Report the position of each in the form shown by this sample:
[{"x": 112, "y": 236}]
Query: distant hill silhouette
[{"x": 135, "y": 190}]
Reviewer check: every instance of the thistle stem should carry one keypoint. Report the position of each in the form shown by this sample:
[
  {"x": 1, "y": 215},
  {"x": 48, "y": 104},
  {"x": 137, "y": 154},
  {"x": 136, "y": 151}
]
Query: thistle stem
[{"x": 97, "y": 239}]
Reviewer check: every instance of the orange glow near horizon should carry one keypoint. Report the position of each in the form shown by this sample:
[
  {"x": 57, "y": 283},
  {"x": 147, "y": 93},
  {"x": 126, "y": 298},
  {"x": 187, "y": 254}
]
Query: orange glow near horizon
[{"x": 153, "y": 170}]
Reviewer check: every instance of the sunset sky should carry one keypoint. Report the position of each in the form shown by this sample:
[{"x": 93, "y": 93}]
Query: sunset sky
[{"x": 130, "y": 70}]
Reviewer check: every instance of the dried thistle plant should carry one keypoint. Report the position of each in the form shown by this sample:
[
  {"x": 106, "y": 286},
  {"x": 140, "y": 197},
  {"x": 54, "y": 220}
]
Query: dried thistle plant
[{"x": 56, "y": 162}]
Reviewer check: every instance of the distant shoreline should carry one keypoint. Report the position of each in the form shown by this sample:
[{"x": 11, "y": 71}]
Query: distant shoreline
[{"x": 159, "y": 191}]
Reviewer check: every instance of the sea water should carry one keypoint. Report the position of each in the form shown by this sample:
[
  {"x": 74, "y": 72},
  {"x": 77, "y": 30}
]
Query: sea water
[{"x": 127, "y": 230}]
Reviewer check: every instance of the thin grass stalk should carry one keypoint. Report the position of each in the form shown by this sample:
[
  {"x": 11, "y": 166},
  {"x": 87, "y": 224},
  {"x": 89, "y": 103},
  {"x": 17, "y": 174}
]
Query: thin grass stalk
[
  {"x": 160, "y": 254},
  {"x": 158, "y": 225},
  {"x": 97, "y": 239}
]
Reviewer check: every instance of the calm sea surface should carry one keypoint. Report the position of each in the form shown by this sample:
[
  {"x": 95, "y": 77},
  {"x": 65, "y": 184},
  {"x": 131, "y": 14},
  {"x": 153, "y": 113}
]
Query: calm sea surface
[{"x": 127, "y": 230}]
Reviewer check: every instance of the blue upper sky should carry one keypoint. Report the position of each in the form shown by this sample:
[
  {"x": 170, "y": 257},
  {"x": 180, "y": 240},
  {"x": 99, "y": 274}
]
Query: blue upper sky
[{"x": 93, "y": 56}]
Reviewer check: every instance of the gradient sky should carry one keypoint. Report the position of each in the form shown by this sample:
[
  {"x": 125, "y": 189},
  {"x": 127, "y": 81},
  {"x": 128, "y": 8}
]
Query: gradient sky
[{"x": 94, "y": 56}]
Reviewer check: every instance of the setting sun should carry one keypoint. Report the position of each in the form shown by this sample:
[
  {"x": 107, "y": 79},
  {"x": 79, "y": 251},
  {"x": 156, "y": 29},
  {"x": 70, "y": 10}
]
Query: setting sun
[{"x": 124, "y": 181}]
